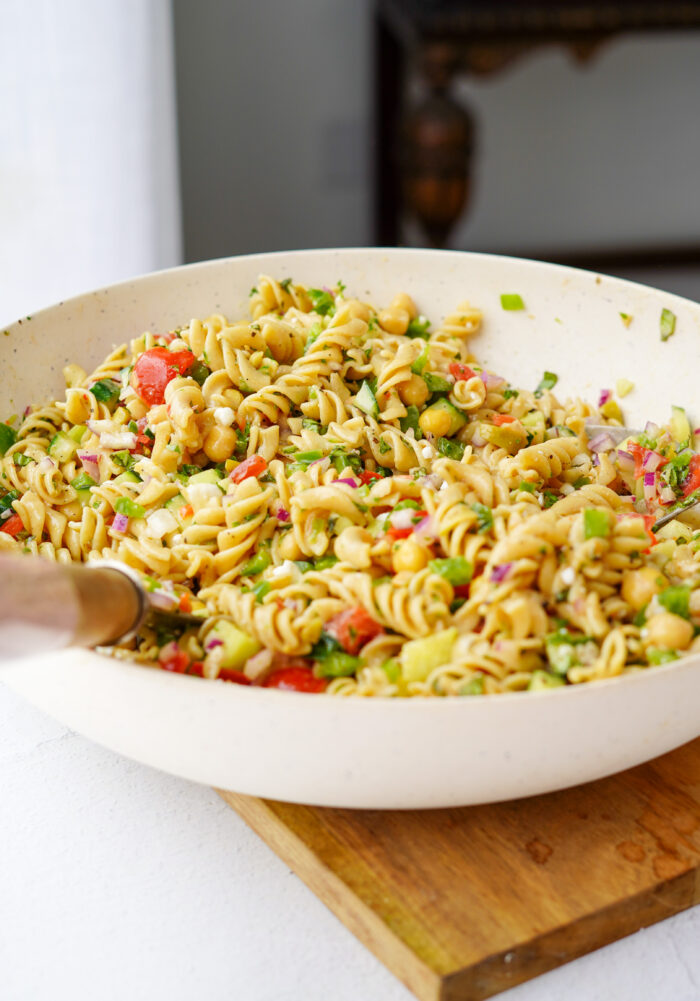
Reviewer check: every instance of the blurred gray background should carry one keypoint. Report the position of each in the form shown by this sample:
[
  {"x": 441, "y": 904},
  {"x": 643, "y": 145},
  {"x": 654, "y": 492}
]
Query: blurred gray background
[{"x": 137, "y": 134}]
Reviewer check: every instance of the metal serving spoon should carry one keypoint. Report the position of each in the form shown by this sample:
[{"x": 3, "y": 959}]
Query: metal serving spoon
[
  {"x": 48, "y": 606},
  {"x": 618, "y": 434}
]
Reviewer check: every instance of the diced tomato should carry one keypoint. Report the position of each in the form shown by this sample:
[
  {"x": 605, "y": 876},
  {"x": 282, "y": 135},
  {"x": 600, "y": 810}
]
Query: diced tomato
[
  {"x": 13, "y": 526},
  {"x": 295, "y": 679},
  {"x": 399, "y": 533},
  {"x": 637, "y": 452},
  {"x": 367, "y": 476},
  {"x": 462, "y": 591},
  {"x": 237, "y": 677},
  {"x": 284, "y": 661},
  {"x": 154, "y": 369},
  {"x": 353, "y": 628},
  {"x": 460, "y": 371},
  {"x": 254, "y": 466},
  {"x": 196, "y": 668},
  {"x": 176, "y": 661},
  {"x": 185, "y": 603},
  {"x": 648, "y": 520},
  {"x": 142, "y": 442},
  {"x": 693, "y": 481},
  {"x": 499, "y": 419}
]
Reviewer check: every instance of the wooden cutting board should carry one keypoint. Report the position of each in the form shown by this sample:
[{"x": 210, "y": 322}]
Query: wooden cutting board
[{"x": 464, "y": 903}]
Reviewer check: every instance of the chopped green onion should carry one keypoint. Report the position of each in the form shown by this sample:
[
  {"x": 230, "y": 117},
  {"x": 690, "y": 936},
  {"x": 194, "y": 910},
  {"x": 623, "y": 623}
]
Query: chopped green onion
[
  {"x": 257, "y": 564},
  {"x": 421, "y": 361},
  {"x": 510, "y": 394},
  {"x": 676, "y": 600},
  {"x": 596, "y": 524},
  {"x": 626, "y": 318},
  {"x": 338, "y": 665},
  {"x": 512, "y": 301},
  {"x": 656, "y": 656},
  {"x": 125, "y": 505},
  {"x": 411, "y": 421},
  {"x": 82, "y": 482},
  {"x": 20, "y": 459},
  {"x": 199, "y": 372},
  {"x": 475, "y": 686},
  {"x": 549, "y": 498},
  {"x": 125, "y": 459},
  {"x": 106, "y": 391},
  {"x": 436, "y": 383},
  {"x": 260, "y": 590},
  {"x": 450, "y": 449},
  {"x": 324, "y": 562},
  {"x": 667, "y": 324},
  {"x": 308, "y": 456},
  {"x": 323, "y": 302},
  {"x": 392, "y": 669},
  {"x": 324, "y": 646},
  {"x": 303, "y": 565},
  {"x": 484, "y": 517},
  {"x": 408, "y": 503},
  {"x": 6, "y": 501},
  {"x": 418, "y": 327},
  {"x": 529, "y": 488},
  {"x": 455, "y": 569},
  {"x": 548, "y": 381},
  {"x": 8, "y": 436}
]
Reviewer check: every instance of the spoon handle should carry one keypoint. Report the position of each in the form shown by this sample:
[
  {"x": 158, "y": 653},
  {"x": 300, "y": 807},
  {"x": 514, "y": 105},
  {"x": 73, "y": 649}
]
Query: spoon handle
[{"x": 48, "y": 606}]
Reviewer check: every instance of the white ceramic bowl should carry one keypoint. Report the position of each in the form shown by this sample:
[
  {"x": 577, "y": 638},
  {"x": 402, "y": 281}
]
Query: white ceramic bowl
[{"x": 377, "y": 753}]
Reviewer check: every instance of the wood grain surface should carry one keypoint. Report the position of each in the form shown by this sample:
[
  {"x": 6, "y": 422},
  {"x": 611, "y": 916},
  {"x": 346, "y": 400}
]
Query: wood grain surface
[{"x": 464, "y": 903}]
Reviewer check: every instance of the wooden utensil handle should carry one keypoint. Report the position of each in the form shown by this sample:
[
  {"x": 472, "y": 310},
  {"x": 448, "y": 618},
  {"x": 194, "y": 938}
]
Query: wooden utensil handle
[{"x": 46, "y": 606}]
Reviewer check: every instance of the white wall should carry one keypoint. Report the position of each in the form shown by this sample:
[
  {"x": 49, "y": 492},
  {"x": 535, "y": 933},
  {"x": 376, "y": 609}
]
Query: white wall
[{"x": 88, "y": 155}]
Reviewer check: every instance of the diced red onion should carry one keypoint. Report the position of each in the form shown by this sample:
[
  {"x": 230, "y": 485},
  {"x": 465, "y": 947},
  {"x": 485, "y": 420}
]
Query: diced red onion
[
  {"x": 696, "y": 430},
  {"x": 210, "y": 644},
  {"x": 120, "y": 440},
  {"x": 601, "y": 443},
  {"x": 120, "y": 523},
  {"x": 491, "y": 381},
  {"x": 667, "y": 495},
  {"x": 427, "y": 528},
  {"x": 652, "y": 461},
  {"x": 477, "y": 440},
  {"x": 500, "y": 572},
  {"x": 46, "y": 464},
  {"x": 168, "y": 651},
  {"x": 258, "y": 664},
  {"x": 282, "y": 514},
  {"x": 160, "y": 599},
  {"x": 649, "y": 486},
  {"x": 7, "y": 513},
  {"x": 89, "y": 462},
  {"x": 605, "y": 395},
  {"x": 346, "y": 479},
  {"x": 27, "y": 411},
  {"x": 652, "y": 429},
  {"x": 596, "y": 460},
  {"x": 432, "y": 480},
  {"x": 625, "y": 460}
]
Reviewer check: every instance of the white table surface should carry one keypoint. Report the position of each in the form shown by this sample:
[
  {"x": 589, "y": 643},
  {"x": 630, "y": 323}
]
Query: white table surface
[{"x": 120, "y": 882}]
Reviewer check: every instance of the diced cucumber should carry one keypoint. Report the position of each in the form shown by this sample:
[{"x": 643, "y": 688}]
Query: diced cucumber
[
  {"x": 77, "y": 433},
  {"x": 541, "y": 680},
  {"x": 535, "y": 423},
  {"x": 338, "y": 665},
  {"x": 206, "y": 476},
  {"x": 457, "y": 418},
  {"x": 238, "y": 646},
  {"x": 679, "y": 425},
  {"x": 367, "y": 401},
  {"x": 507, "y": 436},
  {"x": 127, "y": 477},
  {"x": 420, "y": 657},
  {"x": 62, "y": 447}
]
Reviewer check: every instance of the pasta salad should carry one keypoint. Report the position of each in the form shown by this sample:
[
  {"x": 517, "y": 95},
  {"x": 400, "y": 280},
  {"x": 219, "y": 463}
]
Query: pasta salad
[{"x": 353, "y": 504}]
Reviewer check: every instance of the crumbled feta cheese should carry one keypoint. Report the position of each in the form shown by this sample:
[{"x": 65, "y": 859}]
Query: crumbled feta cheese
[
  {"x": 202, "y": 495},
  {"x": 568, "y": 576},
  {"x": 178, "y": 539},
  {"x": 225, "y": 416},
  {"x": 444, "y": 485},
  {"x": 159, "y": 523},
  {"x": 427, "y": 451},
  {"x": 283, "y": 569}
]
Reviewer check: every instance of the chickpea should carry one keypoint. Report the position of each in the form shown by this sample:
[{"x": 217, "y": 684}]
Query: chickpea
[
  {"x": 288, "y": 547},
  {"x": 404, "y": 301},
  {"x": 437, "y": 422},
  {"x": 640, "y": 586},
  {"x": 394, "y": 321},
  {"x": 219, "y": 443},
  {"x": 414, "y": 391},
  {"x": 409, "y": 555},
  {"x": 668, "y": 631}
]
